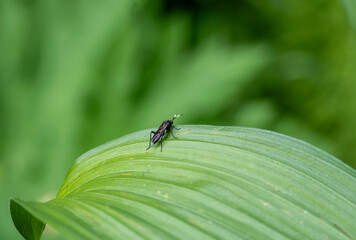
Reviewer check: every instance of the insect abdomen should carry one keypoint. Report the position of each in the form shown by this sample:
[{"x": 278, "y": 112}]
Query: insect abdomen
[
  {"x": 156, "y": 137},
  {"x": 165, "y": 127}
]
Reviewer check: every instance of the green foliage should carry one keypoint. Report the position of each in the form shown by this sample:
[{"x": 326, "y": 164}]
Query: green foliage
[
  {"x": 29, "y": 227},
  {"x": 74, "y": 74},
  {"x": 350, "y": 8},
  {"x": 212, "y": 182}
]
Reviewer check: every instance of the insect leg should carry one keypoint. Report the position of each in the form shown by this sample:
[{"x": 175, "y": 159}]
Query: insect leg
[
  {"x": 150, "y": 139},
  {"x": 173, "y": 134},
  {"x": 161, "y": 142},
  {"x": 176, "y": 128},
  {"x": 151, "y": 134}
]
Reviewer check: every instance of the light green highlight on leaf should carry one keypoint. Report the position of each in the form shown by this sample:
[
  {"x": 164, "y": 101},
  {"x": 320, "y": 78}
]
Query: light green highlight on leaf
[{"x": 350, "y": 8}]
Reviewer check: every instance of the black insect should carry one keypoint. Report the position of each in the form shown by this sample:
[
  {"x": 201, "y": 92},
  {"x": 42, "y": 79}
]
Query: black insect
[{"x": 162, "y": 130}]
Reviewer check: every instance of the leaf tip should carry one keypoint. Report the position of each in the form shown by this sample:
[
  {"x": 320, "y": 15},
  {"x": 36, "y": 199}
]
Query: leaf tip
[{"x": 26, "y": 224}]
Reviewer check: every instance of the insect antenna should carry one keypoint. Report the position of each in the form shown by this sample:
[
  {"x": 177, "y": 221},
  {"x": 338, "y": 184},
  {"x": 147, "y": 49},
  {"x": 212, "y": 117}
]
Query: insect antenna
[{"x": 176, "y": 116}]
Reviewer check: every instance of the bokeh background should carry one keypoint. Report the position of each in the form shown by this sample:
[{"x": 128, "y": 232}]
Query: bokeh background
[{"x": 76, "y": 74}]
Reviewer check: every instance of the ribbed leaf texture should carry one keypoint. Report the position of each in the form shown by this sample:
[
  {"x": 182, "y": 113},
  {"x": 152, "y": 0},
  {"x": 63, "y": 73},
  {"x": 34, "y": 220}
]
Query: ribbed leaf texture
[{"x": 210, "y": 183}]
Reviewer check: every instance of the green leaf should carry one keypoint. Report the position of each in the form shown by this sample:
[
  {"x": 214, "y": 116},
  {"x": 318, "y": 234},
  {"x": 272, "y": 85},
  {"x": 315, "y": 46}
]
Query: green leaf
[
  {"x": 350, "y": 8},
  {"x": 29, "y": 226},
  {"x": 211, "y": 182}
]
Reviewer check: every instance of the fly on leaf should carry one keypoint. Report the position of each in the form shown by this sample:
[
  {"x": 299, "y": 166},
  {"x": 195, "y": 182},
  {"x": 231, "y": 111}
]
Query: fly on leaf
[{"x": 162, "y": 130}]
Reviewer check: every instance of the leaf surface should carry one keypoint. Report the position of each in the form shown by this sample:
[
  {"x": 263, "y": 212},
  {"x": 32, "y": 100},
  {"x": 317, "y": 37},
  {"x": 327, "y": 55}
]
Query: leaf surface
[{"x": 212, "y": 182}]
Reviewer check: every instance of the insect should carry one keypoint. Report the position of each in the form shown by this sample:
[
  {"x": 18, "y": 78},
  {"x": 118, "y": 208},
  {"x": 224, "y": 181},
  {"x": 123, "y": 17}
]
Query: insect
[{"x": 162, "y": 130}]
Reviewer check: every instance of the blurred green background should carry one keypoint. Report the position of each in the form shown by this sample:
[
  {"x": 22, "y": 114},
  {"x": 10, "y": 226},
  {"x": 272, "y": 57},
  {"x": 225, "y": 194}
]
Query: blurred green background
[{"x": 76, "y": 74}]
